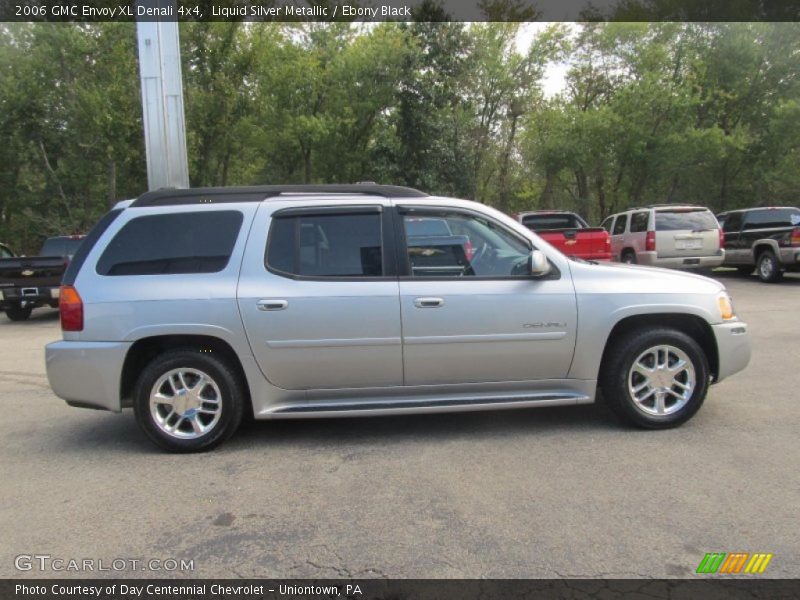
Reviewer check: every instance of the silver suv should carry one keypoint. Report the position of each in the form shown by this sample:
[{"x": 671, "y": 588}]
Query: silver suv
[
  {"x": 197, "y": 306},
  {"x": 667, "y": 235}
]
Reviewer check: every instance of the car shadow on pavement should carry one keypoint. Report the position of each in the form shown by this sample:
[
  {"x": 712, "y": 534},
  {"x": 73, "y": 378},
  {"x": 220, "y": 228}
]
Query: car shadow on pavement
[
  {"x": 789, "y": 279},
  {"x": 444, "y": 427},
  {"x": 120, "y": 433}
]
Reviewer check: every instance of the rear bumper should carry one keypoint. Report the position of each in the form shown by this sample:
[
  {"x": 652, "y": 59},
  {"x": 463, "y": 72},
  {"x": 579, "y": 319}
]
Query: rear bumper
[
  {"x": 733, "y": 346},
  {"x": 651, "y": 259},
  {"x": 87, "y": 374},
  {"x": 29, "y": 296}
]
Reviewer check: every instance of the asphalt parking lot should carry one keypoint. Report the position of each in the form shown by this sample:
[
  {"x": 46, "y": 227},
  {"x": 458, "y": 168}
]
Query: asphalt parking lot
[{"x": 564, "y": 492}]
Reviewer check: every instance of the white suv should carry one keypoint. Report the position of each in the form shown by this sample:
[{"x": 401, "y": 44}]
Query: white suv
[{"x": 667, "y": 235}]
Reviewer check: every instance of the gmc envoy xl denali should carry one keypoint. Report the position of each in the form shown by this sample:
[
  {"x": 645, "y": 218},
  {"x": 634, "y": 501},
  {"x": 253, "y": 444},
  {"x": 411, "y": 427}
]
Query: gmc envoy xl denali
[{"x": 196, "y": 306}]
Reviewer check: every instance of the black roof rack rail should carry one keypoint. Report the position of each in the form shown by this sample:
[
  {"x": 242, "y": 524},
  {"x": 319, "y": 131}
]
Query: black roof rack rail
[{"x": 257, "y": 193}]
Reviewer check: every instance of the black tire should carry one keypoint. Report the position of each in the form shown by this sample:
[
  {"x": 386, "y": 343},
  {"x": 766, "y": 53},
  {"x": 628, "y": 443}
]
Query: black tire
[
  {"x": 744, "y": 271},
  {"x": 617, "y": 367},
  {"x": 768, "y": 268},
  {"x": 629, "y": 256},
  {"x": 17, "y": 313},
  {"x": 227, "y": 381}
]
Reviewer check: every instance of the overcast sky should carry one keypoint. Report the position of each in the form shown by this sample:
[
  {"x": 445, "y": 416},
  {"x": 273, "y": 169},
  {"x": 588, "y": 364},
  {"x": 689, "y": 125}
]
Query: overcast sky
[{"x": 555, "y": 73}]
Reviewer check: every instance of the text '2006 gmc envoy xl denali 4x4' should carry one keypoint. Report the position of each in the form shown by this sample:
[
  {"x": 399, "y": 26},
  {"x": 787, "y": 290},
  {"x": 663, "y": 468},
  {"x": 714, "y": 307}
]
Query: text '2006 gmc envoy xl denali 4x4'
[{"x": 194, "y": 306}]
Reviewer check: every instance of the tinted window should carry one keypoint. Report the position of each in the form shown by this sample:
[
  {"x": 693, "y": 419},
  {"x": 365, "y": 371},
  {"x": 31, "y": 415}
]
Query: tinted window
[
  {"x": 472, "y": 247},
  {"x": 639, "y": 221},
  {"x": 346, "y": 245},
  {"x": 731, "y": 223},
  {"x": 168, "y": 244},
  {"x": 621, "y": 224},
  {"x": 60, "y": 246},
  {"x": 543, "y": 222},
  {"x": 418, "y": 226},
  {"x": 685, "y": 220},
  {"x": 772, "y": 217}
]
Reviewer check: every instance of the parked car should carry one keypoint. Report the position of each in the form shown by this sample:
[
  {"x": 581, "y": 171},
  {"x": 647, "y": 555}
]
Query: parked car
[
  {"x": 667, "y": 235},
  {"x": 568, "y": 232},
  {"x": 767, "y": 239},
  {"x": 195, "y": 306},
  {"x": 28, "y": 282}
]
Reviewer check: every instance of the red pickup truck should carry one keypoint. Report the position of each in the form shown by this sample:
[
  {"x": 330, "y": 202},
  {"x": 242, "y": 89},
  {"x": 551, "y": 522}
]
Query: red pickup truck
[{"x": 569, "y": 233}]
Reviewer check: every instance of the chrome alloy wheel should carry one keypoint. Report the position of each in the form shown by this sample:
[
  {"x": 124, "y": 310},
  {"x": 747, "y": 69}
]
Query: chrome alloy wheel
[
  {"x": 661, "y": 380},
  {"x": 185, "y": 403}
]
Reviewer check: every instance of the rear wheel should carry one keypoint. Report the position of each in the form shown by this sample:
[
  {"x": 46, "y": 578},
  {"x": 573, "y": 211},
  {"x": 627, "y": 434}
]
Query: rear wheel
[
  {"x": 768, "y": 267},
  {"x": 656, "y": 378},
  {"x": 187, "y": 401},
  {"x": 629, "y": 256},
  {"x": 18, "y": 313}
]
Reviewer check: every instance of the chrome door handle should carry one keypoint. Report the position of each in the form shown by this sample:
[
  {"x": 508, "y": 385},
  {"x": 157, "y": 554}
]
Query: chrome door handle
[
  {"x": 272, "y": 304},
  {"x": 428, "y": 302}
]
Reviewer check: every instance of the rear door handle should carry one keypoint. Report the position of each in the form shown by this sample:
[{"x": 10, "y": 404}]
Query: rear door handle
[
  {"x": 428, "y": 302},
  {"x": 272, "y": 304}
]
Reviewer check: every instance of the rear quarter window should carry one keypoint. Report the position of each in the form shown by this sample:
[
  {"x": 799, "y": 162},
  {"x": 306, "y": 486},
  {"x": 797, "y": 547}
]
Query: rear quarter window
[
  {"x": 685, "y": 220},
  {"x": 170, "y": 244}
]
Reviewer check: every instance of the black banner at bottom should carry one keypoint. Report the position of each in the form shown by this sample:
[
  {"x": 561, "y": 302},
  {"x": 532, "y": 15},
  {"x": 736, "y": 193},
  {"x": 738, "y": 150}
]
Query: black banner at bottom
[{"x": 395, "y": 589}]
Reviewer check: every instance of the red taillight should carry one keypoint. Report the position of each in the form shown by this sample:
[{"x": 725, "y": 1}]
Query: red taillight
[
  {"x": 721, "y": 238},
  {"x": 796, "y": 236},
  {"x": 71, "y": 307},
  {"x": 650, "y": 241}
]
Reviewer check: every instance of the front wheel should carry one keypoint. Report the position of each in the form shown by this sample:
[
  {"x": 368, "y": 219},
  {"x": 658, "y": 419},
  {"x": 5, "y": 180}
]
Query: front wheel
[
  {"x": 18, "y": 313},
  {"x": 655, "y": 378},
  {"x": 187, "y": 401}
]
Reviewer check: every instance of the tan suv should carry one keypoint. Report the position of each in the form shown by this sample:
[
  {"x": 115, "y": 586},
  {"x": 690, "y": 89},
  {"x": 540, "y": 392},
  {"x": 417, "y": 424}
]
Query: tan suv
[{"x": 667, "y": 235}]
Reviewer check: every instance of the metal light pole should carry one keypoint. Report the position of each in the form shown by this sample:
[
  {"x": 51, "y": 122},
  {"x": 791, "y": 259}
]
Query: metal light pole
[{"x": 162, "y": 98}]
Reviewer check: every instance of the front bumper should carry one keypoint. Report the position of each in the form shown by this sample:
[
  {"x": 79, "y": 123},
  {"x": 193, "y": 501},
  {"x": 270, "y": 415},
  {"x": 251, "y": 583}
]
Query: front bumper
[
  {"x": 733, "y": 347},
  {"x": 651, "y": 259},
  {"x": 87, "y": 374}
]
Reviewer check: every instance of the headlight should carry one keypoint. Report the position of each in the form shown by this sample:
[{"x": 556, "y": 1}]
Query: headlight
[{"x": 725, "y": 307}]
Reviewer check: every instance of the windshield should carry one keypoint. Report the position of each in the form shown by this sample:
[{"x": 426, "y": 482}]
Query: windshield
[{"x": 685, "y": 220}]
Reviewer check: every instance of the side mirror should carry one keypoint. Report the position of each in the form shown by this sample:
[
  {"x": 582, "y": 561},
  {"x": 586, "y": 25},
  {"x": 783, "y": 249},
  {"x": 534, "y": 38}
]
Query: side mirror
[{"x": 538, "y": 263}]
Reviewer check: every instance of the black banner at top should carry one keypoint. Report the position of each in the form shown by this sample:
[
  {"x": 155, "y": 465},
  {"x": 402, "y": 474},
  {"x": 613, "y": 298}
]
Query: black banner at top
[{"x": 400, "y": 10}]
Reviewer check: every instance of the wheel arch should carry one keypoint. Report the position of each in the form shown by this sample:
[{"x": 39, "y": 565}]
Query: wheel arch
[
  {"x": 767, "y": 244},
  {"x": 144, "y": 350},
  {"x": 692, "y": 325}
]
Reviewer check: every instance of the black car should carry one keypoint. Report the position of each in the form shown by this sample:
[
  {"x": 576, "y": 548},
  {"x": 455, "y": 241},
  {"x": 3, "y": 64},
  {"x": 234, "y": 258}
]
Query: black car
[
  {"x": 767, "y": 239},
  {"x": 27, "y": 282}
]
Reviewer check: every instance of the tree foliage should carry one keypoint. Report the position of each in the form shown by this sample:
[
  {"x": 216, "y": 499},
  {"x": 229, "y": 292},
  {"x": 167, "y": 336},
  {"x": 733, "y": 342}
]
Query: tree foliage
[{"x": 651, "y": 112}]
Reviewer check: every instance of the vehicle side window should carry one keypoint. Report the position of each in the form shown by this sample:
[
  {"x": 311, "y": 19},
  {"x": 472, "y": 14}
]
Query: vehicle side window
[
  {"x": 732, "y": 222},
  {"x": 169, "y": 244},
  {"x": 772, "y": 217},
  {"x": 333, "y": 245},
  {"x": 639, "y": 221},
  {"x": 621, "y": 225},
  {"x": 462, "y": 245},
  {"x": 607, "y": 224},
  {"x": 5, "y": 252}
]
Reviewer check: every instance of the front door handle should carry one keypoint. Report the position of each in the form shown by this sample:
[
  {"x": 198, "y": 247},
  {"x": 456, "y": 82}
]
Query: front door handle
[
  {"x": 428, "y": 302},
  {"x": 272, "y": 304}
]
